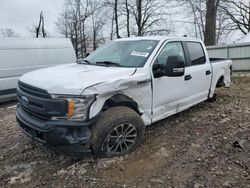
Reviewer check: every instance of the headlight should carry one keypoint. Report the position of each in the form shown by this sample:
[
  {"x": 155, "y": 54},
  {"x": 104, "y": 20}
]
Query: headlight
[{"x": 78, "y": 107}]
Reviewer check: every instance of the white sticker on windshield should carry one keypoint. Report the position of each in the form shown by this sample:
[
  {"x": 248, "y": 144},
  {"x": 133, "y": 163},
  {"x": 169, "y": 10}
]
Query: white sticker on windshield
[{"x": 141, "y": 54}]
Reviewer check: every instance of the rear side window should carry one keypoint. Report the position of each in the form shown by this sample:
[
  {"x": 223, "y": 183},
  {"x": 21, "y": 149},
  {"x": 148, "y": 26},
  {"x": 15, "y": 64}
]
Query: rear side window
[{"x": 197, "y": 55}]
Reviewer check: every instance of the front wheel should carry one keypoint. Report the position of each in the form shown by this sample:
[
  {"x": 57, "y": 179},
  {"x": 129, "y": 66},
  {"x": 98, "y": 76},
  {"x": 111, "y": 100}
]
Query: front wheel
[
  {"x": 118, "y": 132},
  {"x": 213, "y": 98}
]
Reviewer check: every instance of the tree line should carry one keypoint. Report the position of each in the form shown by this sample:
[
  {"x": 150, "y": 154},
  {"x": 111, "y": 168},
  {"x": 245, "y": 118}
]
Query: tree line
[
  {"x": 90, "y": 23},
  {"x": 217, "y": 19}
]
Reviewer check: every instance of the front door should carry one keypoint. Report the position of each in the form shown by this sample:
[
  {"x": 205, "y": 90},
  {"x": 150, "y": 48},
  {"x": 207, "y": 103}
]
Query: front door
[{"x": 168, "y": 92}]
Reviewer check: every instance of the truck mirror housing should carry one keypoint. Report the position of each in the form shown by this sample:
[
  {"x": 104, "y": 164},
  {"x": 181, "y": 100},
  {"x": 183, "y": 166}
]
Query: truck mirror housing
[
  {"x": 175, "y": 66},
  {"x": 159, "y": 70}
]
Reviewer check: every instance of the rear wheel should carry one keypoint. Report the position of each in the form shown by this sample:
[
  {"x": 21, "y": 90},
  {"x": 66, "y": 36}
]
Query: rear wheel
[
  {"x": 219, "y": 84},
  {"x": 118, "y": 132}
]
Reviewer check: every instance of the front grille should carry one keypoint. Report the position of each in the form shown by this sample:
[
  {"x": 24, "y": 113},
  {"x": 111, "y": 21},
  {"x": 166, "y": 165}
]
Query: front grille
[
  {"x": 38, "y": 103},
  {"x": 37, "y": 116},
  {"x": 36, "y": 107},
  {"x": 33, "y": 90}
]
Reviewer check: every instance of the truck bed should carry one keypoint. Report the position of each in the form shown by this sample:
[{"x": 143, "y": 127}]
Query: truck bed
[
  {"x": 216, "y": 60},
  {"x": 222, "y": 70}
]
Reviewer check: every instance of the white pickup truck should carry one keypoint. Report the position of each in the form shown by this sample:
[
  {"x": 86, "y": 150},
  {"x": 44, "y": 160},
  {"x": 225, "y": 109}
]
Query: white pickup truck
[{"x": 104, "y": 102}]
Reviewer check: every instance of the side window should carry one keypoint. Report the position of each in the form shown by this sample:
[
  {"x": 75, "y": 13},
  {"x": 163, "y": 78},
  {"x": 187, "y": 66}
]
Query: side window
[
  {"x": 197, "y": 55},
  {"x": 171, "y": 49}
]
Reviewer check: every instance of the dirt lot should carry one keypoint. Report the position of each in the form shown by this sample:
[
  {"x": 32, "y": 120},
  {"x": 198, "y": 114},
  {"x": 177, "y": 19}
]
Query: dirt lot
[{"x": 205, "y": 146}]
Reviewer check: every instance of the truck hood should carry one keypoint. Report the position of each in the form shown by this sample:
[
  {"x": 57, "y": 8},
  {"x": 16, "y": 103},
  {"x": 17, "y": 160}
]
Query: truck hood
[{"x": 72, "y": 79}]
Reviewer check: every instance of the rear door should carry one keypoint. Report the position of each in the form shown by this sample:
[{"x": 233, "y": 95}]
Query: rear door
[{"x": 197, "y": 74}]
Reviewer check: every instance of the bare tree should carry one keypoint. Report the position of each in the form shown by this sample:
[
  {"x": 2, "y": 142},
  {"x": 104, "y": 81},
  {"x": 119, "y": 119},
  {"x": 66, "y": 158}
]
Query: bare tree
[
  {"x": 210, "y": 27},
  {"x": 38, "y": 30},
  {"x": 72, "y": 23},
  {"x": 8, "y": 32},
  {"x": 205, "y": 17},
  {"x": 212, "y": 23},
  {"x": 224, "y": 27},
  {"x": 82, "y": 21},
  {"x": 138, "y": 17},
  {"x": 83, "y": 13},
  {"x": 74, "y": 9},
  {"x": 116, "y": 18},
  {"x": 112, "y": 26},
  {"x": 97, "y": 22},
  {"x": 114, "y": 6},
  {"x": 40, "y": 26},
  {"x": 198, "y": 10},
  {"x": 63, "y": 24},
  {"x": 147, "y": 14},
  {"x": 239, "y": 13},
  {"x": 127, "y": 17}
]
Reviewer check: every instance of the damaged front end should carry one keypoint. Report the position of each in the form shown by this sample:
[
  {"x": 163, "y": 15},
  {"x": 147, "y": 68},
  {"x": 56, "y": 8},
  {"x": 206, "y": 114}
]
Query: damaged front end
[
  {"x": 59, "y": 120},
  {"x": 48, "y": 121}
]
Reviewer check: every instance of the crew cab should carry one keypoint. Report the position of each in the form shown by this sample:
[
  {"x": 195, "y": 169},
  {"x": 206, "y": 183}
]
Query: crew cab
[{"x": 103, "y": 102}]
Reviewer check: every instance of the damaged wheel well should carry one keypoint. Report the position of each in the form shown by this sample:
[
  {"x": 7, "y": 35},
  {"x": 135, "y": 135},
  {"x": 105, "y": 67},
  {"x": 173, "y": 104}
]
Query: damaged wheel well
[
  {"x": 220, "y": 82},
  {"x": 121, "y": 100}
]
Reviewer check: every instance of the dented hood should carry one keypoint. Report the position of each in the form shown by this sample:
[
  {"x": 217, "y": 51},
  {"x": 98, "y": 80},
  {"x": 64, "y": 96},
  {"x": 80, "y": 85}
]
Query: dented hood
[{"x": 73, "y": 79}]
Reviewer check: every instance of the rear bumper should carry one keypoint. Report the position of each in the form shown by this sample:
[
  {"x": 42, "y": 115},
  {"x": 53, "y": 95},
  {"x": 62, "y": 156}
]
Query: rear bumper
[{"x": 55, "y": 132}]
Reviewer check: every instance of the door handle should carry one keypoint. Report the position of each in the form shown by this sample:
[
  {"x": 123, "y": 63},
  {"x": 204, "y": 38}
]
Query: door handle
[
  {"x": 208, "y": 72},
  {"x": 188, "y": 77}
]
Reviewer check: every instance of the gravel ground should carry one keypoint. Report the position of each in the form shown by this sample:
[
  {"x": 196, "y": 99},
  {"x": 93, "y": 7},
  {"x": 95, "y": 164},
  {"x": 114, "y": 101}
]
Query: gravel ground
[{"x": 205, "y": 146}]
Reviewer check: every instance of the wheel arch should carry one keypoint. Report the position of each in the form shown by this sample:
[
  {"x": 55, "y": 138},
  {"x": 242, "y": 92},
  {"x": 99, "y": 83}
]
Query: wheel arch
[
  {"x": 220, "y": 81},
  {"x": 121, "y": 100}
]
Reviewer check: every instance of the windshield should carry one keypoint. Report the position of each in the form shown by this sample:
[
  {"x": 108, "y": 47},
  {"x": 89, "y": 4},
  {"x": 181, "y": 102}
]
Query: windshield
[{"x": 123, "y": 53}]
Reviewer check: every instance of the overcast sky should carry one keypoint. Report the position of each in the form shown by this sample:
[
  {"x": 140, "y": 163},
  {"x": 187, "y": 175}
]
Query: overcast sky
[{"x": 20, "y": 14}]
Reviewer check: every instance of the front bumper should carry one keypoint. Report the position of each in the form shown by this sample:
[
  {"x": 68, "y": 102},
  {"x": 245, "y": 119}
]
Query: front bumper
[{"x": 54, "y": 132}]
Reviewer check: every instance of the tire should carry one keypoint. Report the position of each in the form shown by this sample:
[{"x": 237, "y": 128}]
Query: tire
[
  {"x": 213, "y": 98},
  {"x": 114, "y": 132}
]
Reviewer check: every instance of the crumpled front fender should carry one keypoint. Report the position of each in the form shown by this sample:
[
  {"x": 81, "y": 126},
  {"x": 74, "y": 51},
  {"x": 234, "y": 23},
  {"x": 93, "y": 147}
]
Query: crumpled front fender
[{"x": 137, "y": 87}]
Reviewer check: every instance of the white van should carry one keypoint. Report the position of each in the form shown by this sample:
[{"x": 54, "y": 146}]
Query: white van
[{"x": 21, "y": 55}]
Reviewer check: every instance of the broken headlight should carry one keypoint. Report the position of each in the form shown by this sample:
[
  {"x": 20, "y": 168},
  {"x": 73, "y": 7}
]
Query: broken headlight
[{"x": 78, "y": 107}]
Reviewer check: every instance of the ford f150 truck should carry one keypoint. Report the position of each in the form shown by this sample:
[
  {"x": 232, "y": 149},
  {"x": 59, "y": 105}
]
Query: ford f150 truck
[{"x": 104, "y": 101}]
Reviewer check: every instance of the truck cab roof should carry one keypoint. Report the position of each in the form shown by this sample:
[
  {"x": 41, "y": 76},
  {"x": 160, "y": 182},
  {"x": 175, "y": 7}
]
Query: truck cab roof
[{"x": 160, "y": 38}]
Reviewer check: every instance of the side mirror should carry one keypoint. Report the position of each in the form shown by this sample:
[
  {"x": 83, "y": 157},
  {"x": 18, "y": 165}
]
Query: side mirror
[
  {"x": 175, "y": 66},
  {"x": 158, "y": 70}
]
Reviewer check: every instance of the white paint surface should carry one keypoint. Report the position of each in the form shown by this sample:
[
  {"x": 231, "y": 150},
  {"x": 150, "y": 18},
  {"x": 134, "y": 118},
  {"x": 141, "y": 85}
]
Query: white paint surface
[{"x": 156, "y": 98}]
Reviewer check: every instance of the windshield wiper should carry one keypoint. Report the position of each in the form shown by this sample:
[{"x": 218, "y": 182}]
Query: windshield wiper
[
  {"x": 83, "y": 60},
  {"x": 86, "y": 61},
  {"x": 108, "y": 63}
]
